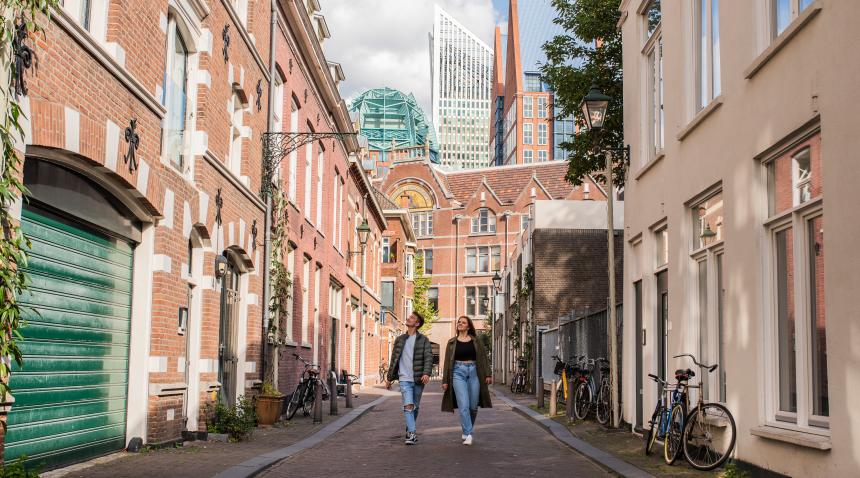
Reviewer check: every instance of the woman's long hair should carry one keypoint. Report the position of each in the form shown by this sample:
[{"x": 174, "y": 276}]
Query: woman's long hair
[{"x": 471, "y": 326}]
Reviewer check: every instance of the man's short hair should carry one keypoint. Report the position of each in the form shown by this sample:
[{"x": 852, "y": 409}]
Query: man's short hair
[{"x": 420, "y": 319}]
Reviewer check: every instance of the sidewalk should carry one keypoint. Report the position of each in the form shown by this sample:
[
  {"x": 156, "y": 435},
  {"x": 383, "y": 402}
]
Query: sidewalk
[
  {"x": 622, "y": 444},
  {"x": 202, "y": 459}
]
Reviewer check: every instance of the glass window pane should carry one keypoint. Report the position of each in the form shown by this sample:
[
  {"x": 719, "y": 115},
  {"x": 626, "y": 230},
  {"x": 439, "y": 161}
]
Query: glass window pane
[
  {"x": 653, "y": 15},
  {"x": 662, "y": 238},
  {"x": 715, "y": 48},
  {"x": 470, "y": 260},
  {"x": 804, "y": 4},
  {"x": 708, "y": 221},
  {"x": 818, "y": 340},
  {"x": 720, "y": 345},
  {"x": 704, "y": 332},
  {"x": 785, "y": 321},
  {"x": 175, "y": 93},
  {"x": 781, "y": 15},
  {"x": 702, "y": 51},
  {"x": 483, "y": 260}
]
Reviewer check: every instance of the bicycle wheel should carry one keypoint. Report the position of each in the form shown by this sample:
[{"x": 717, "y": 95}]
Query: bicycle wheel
[
  {"x": 654, "y": 429},
  {"x": 514, "y": 382},
  {"x": 295, "y": 400},
  {"x": 675, "y": 434},
  {"x": 310, "y": 398},
  {"x": 709, "y": 436},
  {"x": 603, "y": 406},
  {"x": 582, "y": 401}
]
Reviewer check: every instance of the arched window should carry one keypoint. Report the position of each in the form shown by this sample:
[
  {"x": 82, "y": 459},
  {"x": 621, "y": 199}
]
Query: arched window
[
  {"x": 484, "y": 222},
  {"x": 175, "y": 96}
]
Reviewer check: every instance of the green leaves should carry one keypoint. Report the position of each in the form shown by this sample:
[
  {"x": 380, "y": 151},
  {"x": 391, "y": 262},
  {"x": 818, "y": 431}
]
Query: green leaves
[
  {"x": 13, "y": 243},
  {"x": 420, "y": 301},
  {"x": 588, "y": 53}
]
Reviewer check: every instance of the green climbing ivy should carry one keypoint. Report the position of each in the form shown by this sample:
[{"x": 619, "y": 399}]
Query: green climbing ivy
[
  {"x": 18, "y": 24},
  {"x": 279, "y": 275}
]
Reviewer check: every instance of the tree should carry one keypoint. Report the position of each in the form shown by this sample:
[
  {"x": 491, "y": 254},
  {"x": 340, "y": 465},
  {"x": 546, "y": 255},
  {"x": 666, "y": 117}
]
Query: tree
[
  {"x": 588, "y": 53},
  {"x": 420, "y": 301}
]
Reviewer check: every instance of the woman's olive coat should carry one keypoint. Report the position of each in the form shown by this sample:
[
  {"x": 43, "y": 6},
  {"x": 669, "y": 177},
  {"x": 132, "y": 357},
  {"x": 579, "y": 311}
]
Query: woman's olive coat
[{"x": 449, "y": 401}]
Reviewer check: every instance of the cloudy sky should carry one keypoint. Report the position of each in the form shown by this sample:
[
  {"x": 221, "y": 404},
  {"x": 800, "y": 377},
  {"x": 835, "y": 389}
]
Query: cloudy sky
[{"x": 386, "y": 42}]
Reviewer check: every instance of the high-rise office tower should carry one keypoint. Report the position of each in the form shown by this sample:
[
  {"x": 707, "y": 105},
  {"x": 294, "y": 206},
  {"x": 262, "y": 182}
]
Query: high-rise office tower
[
  {"x": 461, "y": 66},
  {"x": 523, "y": 127}
]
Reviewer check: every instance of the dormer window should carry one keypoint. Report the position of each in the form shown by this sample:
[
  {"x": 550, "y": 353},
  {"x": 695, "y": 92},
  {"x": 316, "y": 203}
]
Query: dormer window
[{"x": 484, "y": 222}]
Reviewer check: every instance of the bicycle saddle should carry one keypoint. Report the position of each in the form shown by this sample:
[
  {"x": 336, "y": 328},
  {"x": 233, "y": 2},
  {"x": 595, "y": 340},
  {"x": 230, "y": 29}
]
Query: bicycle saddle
[{"x": 684, "y": 375}]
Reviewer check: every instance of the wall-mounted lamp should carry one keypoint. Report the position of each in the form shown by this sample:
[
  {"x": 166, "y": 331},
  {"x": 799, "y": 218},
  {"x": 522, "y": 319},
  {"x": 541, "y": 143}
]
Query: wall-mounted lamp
[
  {"x": 183, "y": 320},
  {"x": 220, "y": 266}
]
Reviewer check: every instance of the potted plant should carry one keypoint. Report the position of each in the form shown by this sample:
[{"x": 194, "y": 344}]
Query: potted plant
[{"x": 268, "y": 404}]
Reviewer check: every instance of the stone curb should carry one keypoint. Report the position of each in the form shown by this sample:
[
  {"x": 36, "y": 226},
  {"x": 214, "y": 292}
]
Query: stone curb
[
  {"x": 562, "y": 434},
  {"x": 259, "y": 463}
]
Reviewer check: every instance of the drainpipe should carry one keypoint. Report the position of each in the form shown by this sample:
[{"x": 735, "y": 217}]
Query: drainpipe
[
  {"x": 362, "y": 341},
  {"x": 507, "y": 215},
  {"x": 457, "y": 218},
  {"x": 267, "y": 226}
]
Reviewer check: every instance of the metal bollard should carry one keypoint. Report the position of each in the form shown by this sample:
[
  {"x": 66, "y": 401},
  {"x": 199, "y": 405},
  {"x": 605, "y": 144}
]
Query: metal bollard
[
  {"x": 348, "y": 392},
  {"x": 332, "y": 395},
  {"x": 541, "y": 394},
  {"x": 318, "y": 404},
  {"x": 568, "y": 404},
  {"x": 553, "y": 403}
]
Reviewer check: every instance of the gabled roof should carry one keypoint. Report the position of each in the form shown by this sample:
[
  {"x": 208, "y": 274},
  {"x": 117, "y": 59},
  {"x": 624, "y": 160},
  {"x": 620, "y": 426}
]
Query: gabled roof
[{"x": 507, "y": 182}]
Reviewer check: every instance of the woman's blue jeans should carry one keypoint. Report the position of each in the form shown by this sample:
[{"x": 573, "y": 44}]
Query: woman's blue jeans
[{"x": 467, "y": 390}]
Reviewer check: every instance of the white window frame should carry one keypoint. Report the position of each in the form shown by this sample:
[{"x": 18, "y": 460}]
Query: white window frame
[
  {"x": 241, "y": 9},
  {"x": 484, "y": 215},
  {"x": 386, "y": 250},
  {"x": 422, "y": 223},
  {"x": 173, "y": 32},
  {"x": 708, "y": 317},
  {"x": 528, "y": 133},
  {"x": 306, "y": 302},
  {"x": 655, "y": 99},
  {"x": 288, "y": 321},
  {"x": 309, "y": 161},
  {"x": 409, "y": 267},
  {"x": 528, "y": 106},
  {"x": 294, "y": 126},
  {"x": 543, "y": 107},
  {"x": 237, "y": 113},
  {"x": 543, "y": 156},
  {"x": 708, "y": 85},
  {"x": 542, "y": 134},
  {"x": 796, "y": 7},
  {"x": 528, "y": 156},
  {"x": 320, "y": 174},
  {"x": 796, "y": 218}
]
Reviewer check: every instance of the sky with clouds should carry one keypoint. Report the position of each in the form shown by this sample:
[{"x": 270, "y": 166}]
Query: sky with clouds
[{"x": 386, "y": 42}]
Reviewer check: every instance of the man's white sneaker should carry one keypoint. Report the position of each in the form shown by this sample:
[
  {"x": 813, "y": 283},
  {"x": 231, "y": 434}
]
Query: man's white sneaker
[{"x": 468, "y": 440}]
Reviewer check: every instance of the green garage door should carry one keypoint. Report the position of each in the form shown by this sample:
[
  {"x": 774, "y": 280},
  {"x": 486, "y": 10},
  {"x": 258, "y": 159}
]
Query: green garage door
[{"x": 70, "y": 394}]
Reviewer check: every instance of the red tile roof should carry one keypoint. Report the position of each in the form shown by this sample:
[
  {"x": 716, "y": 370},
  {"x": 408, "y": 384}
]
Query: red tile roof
[{"x": 508, "y": 181}]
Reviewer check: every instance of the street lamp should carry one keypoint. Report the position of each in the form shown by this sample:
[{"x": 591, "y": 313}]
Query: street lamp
[
  {"x": 486, "y": 303},
  {"x": 594, "y": 108},
  {"x": 363, "y": 231},
  {"x": 497, "y": 282}
]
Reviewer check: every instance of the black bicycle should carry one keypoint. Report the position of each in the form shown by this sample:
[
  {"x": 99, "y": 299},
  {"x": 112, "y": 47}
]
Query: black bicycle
[
  {"x": 518, "y": 382},
  {"x": 305, "y": 394}
]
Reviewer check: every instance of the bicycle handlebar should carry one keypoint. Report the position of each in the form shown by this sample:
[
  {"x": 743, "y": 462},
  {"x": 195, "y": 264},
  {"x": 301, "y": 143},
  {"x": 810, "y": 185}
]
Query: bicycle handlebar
[{"x": 710, "y": 368}]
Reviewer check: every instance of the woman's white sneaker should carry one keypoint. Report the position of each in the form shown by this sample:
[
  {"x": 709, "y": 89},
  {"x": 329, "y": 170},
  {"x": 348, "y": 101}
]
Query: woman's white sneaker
[
  {"x": 467, "y": 440},
  {"x": 462, "y": 437}
]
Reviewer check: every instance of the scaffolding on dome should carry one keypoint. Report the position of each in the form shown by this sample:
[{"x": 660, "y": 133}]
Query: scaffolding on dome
[{"x": 394, "y": 125}]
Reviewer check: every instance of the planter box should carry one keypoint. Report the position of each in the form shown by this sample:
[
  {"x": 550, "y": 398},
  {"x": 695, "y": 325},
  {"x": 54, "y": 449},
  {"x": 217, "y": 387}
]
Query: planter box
[
  {"x": 222, "y": 437},
  {"x": 268, "y": 410}
]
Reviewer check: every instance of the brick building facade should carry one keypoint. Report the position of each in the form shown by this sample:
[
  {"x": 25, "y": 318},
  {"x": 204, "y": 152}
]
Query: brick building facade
[
  {"x": 468, "y": 223},
  {"x": 143, "y": 157}
]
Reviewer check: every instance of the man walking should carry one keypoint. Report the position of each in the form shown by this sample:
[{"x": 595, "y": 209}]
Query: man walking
[{"x": 411, "y": 364}]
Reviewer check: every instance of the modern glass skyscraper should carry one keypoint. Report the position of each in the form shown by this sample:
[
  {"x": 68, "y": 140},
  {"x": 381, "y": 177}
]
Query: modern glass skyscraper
[
  {"x": 524, "y": 128},
  {"x": 461, "y": 66}
]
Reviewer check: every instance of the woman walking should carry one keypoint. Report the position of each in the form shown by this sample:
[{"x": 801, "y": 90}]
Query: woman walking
[{"x": 466, "y": 377}]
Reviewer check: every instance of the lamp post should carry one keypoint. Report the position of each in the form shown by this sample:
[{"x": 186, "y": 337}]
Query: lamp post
[
  {"x": 363, "y": 231},
  {"x": 497, "y": 285},
  {"x": 594, "y": 107}
]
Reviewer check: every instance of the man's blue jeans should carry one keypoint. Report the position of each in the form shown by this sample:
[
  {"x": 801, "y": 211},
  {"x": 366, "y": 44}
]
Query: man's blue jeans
[
  {"x": 467, "y": 390},
  {"x": 411, "y": 394}
]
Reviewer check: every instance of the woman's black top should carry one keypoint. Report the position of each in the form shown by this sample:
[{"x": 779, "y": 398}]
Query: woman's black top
[{"x": 465, "y": 351}]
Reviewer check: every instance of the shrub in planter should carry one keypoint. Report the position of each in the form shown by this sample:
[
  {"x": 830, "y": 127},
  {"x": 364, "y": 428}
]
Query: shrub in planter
[
  {"x": 269, "y": 404},
  {"x": 16, "y": 469},
  {"x": 236, "y": 421}
]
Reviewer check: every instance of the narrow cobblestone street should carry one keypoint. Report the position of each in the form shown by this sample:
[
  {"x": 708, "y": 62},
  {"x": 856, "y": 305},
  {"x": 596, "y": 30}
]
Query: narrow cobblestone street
[{"x": 506, "y": 445}]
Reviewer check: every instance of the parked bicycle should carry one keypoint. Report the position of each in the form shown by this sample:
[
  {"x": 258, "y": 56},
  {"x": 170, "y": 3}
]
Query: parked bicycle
[
  {"x": 518, "y": 382},
  {"x": 305, "y": 394},
  {"x": 589, "y": 394},
  {"x": 710, "y": 431},
  {"x": 567, "y": 373},
  {"x": 677, "y": 416}
]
